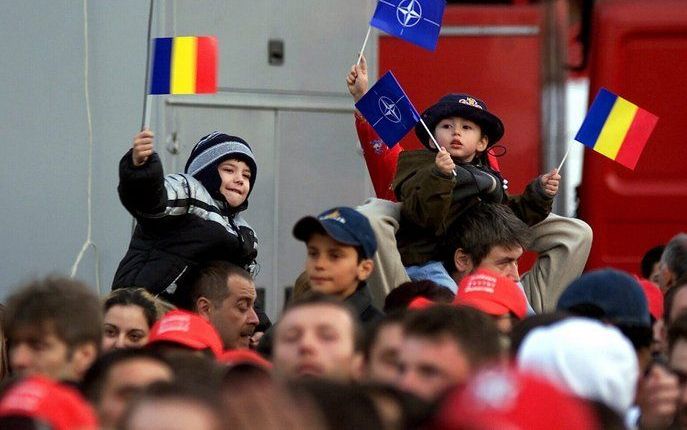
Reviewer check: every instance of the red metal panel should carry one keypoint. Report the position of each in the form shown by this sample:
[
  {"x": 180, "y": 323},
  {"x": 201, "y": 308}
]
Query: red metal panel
[
  {"x": 638, "y": 51},
  {"x": 503, "y": 70}
]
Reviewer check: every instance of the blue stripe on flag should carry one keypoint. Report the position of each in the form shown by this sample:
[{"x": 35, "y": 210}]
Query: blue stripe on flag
[
  {"x": 596, "y": 118},
  {"x": 162, "y": 63}
]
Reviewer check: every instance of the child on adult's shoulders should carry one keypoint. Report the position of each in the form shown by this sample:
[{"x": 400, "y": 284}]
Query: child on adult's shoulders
[
  {"x": 438, "y": 184},
  {"x": 340, "y": 246}
]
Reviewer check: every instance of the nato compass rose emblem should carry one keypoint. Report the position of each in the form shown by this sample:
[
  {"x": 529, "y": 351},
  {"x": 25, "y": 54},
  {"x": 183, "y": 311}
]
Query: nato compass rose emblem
[
  {"x": 389, "y": 109},
  {"x": 408, "y": 13}
]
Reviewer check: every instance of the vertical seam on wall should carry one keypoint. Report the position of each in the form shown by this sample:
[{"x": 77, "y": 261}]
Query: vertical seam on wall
[{"x": 276, "y": 288}]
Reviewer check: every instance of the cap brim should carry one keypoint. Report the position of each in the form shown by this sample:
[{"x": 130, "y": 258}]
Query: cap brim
[{"x": 486, "y": 306}]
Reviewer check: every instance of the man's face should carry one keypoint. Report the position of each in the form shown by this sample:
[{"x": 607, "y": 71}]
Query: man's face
[
  {"x": 123, "y": 382},
  {"x": 316, "y": 340},
  {"x": 382, "y": 364},
  {"x": 429, "y": 366},
  {"x": 235, "y": 318},
  {"x": 678, "y": 362},
  {"x": 503, "y": 261},
  {"x": 37, "y": 350}
]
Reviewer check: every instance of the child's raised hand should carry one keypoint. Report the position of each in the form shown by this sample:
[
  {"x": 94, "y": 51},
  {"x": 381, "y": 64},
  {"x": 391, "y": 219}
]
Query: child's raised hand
[
  {"x": 550, "y": 181},
  {"x": 143, "y": 147},
  {"x": 444, "y": 162},
  {"x": 357, "y": 79}
]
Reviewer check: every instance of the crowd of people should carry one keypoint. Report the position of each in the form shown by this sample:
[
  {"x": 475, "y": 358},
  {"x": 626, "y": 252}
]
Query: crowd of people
[{"x": 411, "y": 311}]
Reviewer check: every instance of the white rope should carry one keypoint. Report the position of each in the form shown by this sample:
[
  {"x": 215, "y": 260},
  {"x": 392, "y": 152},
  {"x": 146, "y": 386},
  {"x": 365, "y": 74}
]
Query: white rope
[{"x": 88, "y": 243}]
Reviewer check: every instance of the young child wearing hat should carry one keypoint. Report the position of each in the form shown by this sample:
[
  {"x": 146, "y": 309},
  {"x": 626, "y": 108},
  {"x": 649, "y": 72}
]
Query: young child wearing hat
[
  {"x": 340, "y": 244},
  {"x": 185, "y": 218},
  {"x": 437, "y": 185}
]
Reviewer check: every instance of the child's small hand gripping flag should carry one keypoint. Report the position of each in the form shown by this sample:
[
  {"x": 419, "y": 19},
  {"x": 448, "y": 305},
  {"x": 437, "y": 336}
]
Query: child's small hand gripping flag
[
  {"x": 184, "y": 65},
  {"x": 388, "y": 109},
  {"x": 417, "y": 21},
  {"x": 616, "y": 128}
]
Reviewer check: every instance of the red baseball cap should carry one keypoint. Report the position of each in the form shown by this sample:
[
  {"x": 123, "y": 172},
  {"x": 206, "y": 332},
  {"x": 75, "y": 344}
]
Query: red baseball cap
[
  {"x": 510, "y": 399},
  {"x": 420, "y": 302},
  {"x": 43, "y": 399},
  {"x": 654, "y": 297},
  {"x": 234, "y": 357},
  {"x": 491, "y": 293},
  {"x": 187, "y": 329}
]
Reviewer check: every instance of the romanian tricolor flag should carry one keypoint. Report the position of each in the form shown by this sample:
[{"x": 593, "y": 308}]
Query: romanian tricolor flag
[
  {"x": 184, "y": 65},
  {"x": 616, "y": 128}
]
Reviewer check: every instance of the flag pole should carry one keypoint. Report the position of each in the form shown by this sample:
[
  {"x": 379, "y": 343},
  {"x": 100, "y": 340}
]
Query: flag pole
[
  {"x": 145, "y": 121},
  {"x": 431, "y": 136},
  {"x": 564, "y": 157},
  {"x": 362, "y": 50}
]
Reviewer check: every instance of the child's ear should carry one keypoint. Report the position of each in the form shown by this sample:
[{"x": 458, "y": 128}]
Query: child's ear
[
  {"x": 483, "y": 143},
  {"x": 365, "y": 268}
]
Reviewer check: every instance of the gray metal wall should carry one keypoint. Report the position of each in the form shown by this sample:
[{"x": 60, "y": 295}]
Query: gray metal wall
[{"x": 297, "y": 117}]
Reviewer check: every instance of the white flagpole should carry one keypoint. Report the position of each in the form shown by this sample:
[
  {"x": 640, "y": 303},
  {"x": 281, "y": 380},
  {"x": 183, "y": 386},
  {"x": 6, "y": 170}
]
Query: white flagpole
[
  {"x": 564, "y": 157},
  {"x": 362, "y": 50},
  {"x": 145, "y": 121},
  {"x": 431, "y": 136}
]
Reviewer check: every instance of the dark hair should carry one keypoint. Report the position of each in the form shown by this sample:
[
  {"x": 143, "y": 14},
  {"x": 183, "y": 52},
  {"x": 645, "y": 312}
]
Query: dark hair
[
  {"x": 134, "y": 297},
  {"x": 371, "y": 332},
  {"x": 474, "y": 331},
  {"x": 164, "y": 391},
  {"x": 675, "y": 256},
  {"x": 211, "y": 281},
  {"x": 314, "y": 298},
  {"x": 415, "y": 411},
  {"x": 481, "y": 228},
  {"x": 651, "y": 257},
  {"x": 67, "y": 306},
  {"x": 94, "y": 379},
  {"x": 677, "y": 331},
  {"x": 401, "y": 296},
  {"x": 342, "y": 406}
]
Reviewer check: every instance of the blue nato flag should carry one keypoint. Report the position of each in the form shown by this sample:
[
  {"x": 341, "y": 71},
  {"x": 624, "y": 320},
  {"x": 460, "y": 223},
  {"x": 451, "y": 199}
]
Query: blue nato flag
[
  {"x": 417, "y": 21},
  {"x": 388, "y": 109}
]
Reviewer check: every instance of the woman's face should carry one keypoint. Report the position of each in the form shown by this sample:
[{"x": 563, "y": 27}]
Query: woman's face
[{"x": 125, "y": 326}]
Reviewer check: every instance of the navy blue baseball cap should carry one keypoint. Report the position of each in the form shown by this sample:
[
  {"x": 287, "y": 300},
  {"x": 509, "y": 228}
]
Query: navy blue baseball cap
[
  {"x": 616, "y": 293},
  {"x": 343, "y": 224}
]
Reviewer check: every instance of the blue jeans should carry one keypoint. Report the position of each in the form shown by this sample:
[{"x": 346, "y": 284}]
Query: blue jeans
[{"x": 433, "y": 271}]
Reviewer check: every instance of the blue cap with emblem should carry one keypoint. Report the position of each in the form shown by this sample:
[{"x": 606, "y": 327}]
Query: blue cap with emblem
[{"x": 343, "y": 224}]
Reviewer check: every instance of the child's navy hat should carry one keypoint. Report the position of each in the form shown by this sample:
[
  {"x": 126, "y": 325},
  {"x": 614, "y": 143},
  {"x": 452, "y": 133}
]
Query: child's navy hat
[
  {"x": 464, "y": 106},
  {"x": 343, "y": 224},
  {"x": 213, "y": 149}
]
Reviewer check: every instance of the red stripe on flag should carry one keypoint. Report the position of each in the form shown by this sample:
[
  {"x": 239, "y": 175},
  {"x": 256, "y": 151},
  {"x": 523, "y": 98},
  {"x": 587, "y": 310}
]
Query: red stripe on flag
[
  {"x": 206, "y": 65},
  {"x": 636, "y": 137}
]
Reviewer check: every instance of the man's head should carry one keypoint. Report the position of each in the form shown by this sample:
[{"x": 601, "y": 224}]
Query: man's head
[
  {"x": 224, "y": 294},
  {"x": 341, "y": 245},
  {"x": 443, "y": 346},
  {"x": 117, "y": 377},
  {"x": 54, "y": 328},
  {"x": 174, "y": 406},
  {"x": 616, "y": 298},
  {"x": 650, "y": 264},
  {"x": 317, "y": 336},
  {"x": 673, "y": 265},
  {"x": 400, "y": 297},
  {"x": 381, "y": 347},
  {"x": 495, "y": 295},
  {"x": 487, "y": 236}
]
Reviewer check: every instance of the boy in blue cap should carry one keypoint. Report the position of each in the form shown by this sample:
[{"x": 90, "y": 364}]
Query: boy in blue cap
[{"x": 341, "y": 245}]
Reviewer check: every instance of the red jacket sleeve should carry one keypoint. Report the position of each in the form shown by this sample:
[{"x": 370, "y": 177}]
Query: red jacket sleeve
[{"x": 380, "y": 159}]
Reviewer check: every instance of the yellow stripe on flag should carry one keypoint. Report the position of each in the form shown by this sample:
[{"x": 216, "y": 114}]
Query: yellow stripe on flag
[
  {"x": 184, "y": 65},
  {"x": 614, "y": 130}
]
